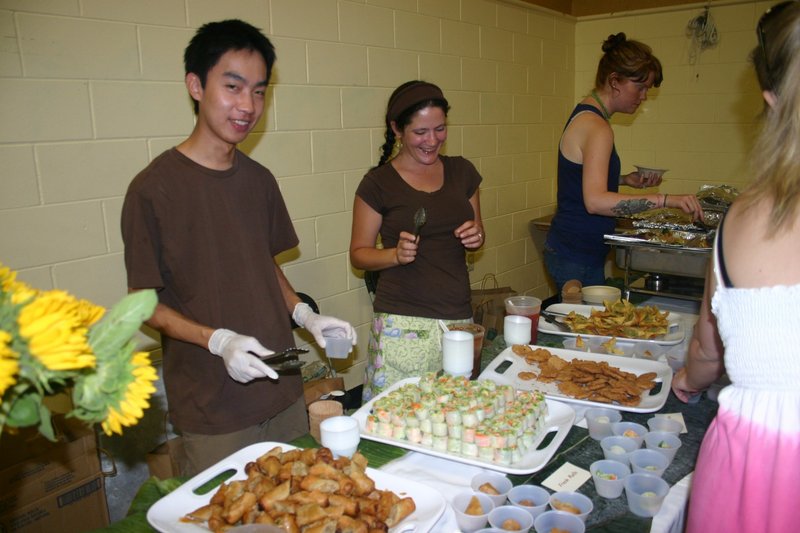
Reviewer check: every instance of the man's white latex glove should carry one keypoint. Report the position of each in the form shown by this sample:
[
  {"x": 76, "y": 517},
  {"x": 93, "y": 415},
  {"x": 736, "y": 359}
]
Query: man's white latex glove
[
  {"x": 241, "y": 365},
  {"x": 320, "y": 325}
]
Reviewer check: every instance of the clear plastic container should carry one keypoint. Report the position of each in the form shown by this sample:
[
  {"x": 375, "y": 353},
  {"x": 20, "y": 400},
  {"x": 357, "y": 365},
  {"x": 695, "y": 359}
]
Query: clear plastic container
[
  {"x": 510, "y": 515},
  {"x": 550, "y": 520},
  {"x": 618, "y": 448},
  {"x": 630, "y": 430},
  {"x": 645, "y": 493},
  {"x": 602, "y": 473},
  {"x": 599, "y": 420},
  {"x": 471, "y": 522},
  {"x": 559, "y": 501},
  {"x": 663, "y": 442},
  {"x": 646, "y": 461},
  {"x": 531, "y": 498},
  {"x": 502, "y": 485},
  {"x": 616, "y": 346}
]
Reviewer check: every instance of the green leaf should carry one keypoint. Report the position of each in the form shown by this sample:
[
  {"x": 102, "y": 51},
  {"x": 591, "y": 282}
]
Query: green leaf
[
  {"x": 46, "y": 423},
  {"x": 94, "y": 392},
  {"x": 25, "y": 411},
  {"x": 119, "y": 325}
]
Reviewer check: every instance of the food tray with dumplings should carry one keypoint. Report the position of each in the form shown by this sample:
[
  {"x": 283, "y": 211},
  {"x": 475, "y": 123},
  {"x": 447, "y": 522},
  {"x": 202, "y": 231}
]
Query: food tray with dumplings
[
  {"x": 284, "y": 483},
  {"x": 478, "y": 423},
  {"x": 623, "y": 383}
]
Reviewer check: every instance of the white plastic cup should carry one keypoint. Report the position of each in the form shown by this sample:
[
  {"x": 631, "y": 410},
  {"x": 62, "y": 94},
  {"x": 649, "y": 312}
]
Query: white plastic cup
[
  {"x": 676, "y": 360},
  {"x": 575, "y": 499},
  {"x": 516, "y": 330},
  {"x": 531, "y": 498},
  {"x": 499, "y": 515},
  {"x": 501, "y": 484},
  {"x": 337, "y": 347},
  {"x": 617, "y": 448},
  {"x": 667, "y": 425},
  {"x": 341, "y": 435},
  {"x": 527, "y": 306},
  {"x": 645, "y": 493},
  {"x": 457, "y": 351},
  {"x": 646, "y": 461},
  {"x": 663, "y": 442},
  {"x": 599, "y": 420},
  {"x": 467, "y": 522},
  {"x": 630, "y": 430},
  {"x": 609, "y": 488},
  {"x": 549, "y": 520},
  {"x": 651, "y": 352}
]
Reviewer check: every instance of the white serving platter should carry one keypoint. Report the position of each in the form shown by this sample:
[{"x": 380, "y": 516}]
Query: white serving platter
[
  {"x": 507, "y": 375},
  {"x": 559, "y": 420},
  {"x": 675, "y": 334},
  {"x": 166, "y": 513}
]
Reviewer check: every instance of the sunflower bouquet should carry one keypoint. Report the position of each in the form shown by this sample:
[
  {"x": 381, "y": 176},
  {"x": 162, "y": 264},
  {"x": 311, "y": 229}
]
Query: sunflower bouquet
[{"x": 52, "y": 342}]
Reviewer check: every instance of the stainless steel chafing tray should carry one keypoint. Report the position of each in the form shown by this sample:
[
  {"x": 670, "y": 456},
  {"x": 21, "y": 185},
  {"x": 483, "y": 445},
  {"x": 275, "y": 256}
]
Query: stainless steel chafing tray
[
  {"x": 661, "y": 258},
  {"x": 661, "y": 253}
]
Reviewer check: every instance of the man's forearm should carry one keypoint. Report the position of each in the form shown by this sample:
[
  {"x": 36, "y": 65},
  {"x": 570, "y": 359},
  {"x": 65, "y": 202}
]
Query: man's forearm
[{"x": 177, "y": 326}]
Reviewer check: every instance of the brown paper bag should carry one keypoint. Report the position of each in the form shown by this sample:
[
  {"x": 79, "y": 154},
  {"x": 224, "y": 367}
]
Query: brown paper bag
[{"x": 488, "y": 305}]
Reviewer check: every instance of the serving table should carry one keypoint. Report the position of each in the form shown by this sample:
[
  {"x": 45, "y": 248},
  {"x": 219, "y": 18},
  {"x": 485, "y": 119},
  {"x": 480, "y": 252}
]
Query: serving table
[{"x": 578, "y": 449}]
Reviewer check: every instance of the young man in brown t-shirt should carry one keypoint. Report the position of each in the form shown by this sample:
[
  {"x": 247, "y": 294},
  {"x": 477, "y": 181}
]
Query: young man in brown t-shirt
[{"x": 202, "y": 225}]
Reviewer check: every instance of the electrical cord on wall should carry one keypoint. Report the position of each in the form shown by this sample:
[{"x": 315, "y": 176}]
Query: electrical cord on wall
[{"x": 703, "y": 32}]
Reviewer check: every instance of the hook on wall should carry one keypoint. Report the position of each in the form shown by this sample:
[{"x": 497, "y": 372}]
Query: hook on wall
[{"x": 702, "y": 30}]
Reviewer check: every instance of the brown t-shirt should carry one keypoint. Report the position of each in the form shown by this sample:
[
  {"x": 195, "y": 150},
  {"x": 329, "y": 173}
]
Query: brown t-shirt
[
  {"x": 206, "y": 239},
  {"x": 436, "y": 283}
]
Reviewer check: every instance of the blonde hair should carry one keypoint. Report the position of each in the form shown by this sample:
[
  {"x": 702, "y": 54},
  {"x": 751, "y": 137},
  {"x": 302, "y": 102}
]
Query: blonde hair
[{"x": 775, "y": 159}]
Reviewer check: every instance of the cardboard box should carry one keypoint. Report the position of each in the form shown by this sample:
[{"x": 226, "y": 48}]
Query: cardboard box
[
  {"x": 313, "y": 390},
  {"x": 79, "y": 507},
  {"x": 51, "y": 486},
  {"x": 167, "y": 459}
]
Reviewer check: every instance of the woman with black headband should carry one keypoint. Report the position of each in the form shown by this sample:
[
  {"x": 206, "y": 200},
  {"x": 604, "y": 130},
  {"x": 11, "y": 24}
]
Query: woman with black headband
[
  {"x": 421, "y": 259},
  {"x": 748, "y": 470}
]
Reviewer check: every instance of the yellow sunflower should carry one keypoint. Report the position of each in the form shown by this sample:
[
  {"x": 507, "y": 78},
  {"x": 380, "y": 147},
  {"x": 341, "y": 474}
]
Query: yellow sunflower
[
  {"x": 9, "y": 363},
  {"x": 135, "y": 399},
  {"x": 20, "y": 292},
  {"x": 53, "y": 327}
]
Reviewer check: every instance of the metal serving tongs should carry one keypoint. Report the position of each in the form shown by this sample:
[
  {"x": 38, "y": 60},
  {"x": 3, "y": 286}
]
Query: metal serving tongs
[
  {"x": 552, "y": 318},
  {"x": 286, "y": 361}
]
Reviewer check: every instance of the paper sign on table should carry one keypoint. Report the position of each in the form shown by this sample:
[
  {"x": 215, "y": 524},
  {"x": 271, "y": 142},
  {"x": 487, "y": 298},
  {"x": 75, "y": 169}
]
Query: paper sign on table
[
  {"x": 568, "y": 477},
  {"x": 677, "y": 417}
]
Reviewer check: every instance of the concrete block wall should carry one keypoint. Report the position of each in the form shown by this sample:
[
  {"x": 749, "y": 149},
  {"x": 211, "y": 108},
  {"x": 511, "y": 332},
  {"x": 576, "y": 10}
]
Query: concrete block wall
[
  {"x": 700, "y": 123},
  {"x": 92, "y": 90}
]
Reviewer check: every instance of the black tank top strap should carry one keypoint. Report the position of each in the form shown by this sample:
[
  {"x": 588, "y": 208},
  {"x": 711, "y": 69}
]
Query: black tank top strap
[{"x": 726, "y": 280}]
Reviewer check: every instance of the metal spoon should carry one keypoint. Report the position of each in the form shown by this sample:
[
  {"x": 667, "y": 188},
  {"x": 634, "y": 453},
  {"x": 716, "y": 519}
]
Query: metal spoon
[{"x": 420, "y": 217}]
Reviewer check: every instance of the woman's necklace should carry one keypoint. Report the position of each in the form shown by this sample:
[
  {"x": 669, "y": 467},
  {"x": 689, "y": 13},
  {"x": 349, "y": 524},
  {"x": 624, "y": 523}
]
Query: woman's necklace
[{"x": 606, "y": 114}]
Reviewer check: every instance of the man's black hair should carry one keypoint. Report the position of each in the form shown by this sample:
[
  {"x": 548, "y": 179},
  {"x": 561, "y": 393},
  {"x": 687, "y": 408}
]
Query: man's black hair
[{"x": 214, "y": 39}]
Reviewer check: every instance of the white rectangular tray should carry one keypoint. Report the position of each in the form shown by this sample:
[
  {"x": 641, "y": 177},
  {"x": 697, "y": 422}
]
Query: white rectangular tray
[
  {"x": 675, "y": 335},
  {"x": 166, "y": 513},
  {"x": 559, "y": 419},
  {"x": 650, "y": 402}
]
